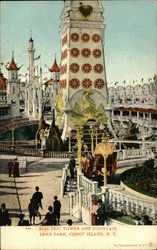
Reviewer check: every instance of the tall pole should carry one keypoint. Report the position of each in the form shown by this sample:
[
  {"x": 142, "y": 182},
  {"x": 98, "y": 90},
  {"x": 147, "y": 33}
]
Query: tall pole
[
  {"x": 105, "y": 141},
  {"x": 79, "y": 145},
  {"x": 96, "y": 137},
  {"x": 12, "y": 135},
  {"x": 69, "y": 141},
  {"x": 105, "y": 168}
]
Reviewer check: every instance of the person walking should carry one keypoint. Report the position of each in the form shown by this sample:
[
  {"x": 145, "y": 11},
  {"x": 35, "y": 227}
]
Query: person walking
[
  {"x": 57, "y": 208},
  {"x": 4, "y": 216},
  {"x": 37, "y": 197},
  {"x": 33, "y": 210},
  {"x": 10, "y": 168},
  {"x": 50, "y": 218},
  {"x": 16, "y": 172},
  {"x": 72, "y": 166},
  {"x": 91, "y": 163}
]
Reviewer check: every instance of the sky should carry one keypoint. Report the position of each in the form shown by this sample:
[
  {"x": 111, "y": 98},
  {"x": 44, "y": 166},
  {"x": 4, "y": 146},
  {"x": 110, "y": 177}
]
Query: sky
[{"x": 130, "y": 36}]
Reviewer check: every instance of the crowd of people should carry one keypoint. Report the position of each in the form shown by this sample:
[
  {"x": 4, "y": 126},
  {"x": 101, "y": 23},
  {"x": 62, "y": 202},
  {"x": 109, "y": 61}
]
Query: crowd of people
[
  {"x": 52, "y": 217},
  {"x": 13, "y": 168}
]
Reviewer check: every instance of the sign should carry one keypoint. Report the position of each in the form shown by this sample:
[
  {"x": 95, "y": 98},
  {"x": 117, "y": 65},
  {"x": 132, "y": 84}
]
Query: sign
[{"x": 22, "y": 162}]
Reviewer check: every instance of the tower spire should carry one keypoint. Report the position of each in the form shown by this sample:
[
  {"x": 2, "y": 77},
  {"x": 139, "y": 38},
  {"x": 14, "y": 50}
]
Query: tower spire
[{"x": 12, "y": 55}]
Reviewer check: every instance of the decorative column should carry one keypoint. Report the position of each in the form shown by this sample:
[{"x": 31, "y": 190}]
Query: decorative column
[
  {"x": 69, "y": 135},
  {"x": 96, "y": 137},
  {"x": 79, "y": 145}
]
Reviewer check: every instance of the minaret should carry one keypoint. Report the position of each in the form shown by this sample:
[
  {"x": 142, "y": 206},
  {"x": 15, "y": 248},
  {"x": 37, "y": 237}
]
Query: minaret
[
  {"x": 55, "y": 75},
  {"x": 82, "y": 53},
  {"x": 13, "y": 88},
  {"x": 31, "y": 51},
  {"x": 30, "y": 83},
  {"x": 40, "y": 96}
]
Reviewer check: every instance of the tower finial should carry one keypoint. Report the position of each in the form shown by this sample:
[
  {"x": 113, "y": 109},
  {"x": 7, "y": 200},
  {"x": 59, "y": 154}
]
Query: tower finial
[{"x": 13, "y": 55}]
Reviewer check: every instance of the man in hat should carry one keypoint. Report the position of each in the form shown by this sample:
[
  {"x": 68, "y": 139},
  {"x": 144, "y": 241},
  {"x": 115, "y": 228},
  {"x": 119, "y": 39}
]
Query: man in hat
[
  {"x": 50, "y": 218},
  {"x": 57, "y": 208},
  {"x": 69, "y": 222},
  {"x": 4, "y": 216},
  {"x": 16, "y": 168},
  {"x": 23, "y": 222},
  {"x": 10, "y": 168},
  {"x": 72, "y": 166}
]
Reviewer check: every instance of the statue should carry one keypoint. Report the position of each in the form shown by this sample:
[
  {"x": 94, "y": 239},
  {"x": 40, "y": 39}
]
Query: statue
[
  {"x": 54, "y": 141},
  {"x": 48, "y": 137},
  {"x": 41, "y": 133}
]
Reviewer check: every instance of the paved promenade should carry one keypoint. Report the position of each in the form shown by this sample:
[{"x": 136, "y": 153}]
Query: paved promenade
[{"x": 45, "y": 173}]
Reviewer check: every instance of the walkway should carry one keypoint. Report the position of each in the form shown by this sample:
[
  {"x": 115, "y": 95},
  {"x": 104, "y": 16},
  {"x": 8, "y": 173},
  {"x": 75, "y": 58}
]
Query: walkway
[{"x": 46, "y": 174}]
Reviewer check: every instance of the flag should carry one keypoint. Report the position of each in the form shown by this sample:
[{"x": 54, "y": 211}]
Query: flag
[{"x": 37, "y": 58}]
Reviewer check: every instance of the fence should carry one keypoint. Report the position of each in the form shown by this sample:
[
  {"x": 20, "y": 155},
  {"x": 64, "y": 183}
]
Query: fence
[
  {"x": 21, "y": 150},
  {"x": 64, "y": 179},
  {"x": 134, "y": 154},
  {"x": 81, "y": 201},
  {"x": 121, "y": 154},
  {"x": 131, "y": 205}
]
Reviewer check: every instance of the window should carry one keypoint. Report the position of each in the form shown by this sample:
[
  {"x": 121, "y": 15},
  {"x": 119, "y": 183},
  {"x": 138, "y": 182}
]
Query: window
[
  {"x": 98, "y": 68},
  {"x": 86, "y": 52},
  {"x": 99, "y": 83},
  {"x": 85, "y": 37},
  {"x": 86, "y": 83},
  {"x": 74, "y": 83},
  {"x": 86, "y": 68},
  {"x": 74, "y": 52},
  {"x": 96, "y": 38},
  {"x": 74, "y": 37},
  {"x": 74, "y": 67}
]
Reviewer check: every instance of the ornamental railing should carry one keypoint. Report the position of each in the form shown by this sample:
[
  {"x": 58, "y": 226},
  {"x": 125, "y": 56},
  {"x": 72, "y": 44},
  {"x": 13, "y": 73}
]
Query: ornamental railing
[
  {"x": 64, "y": 179},
  {"x": 119, "y": 201},
  {"x": 87, "y": 190},
  {"x": 134, "y": 154}
]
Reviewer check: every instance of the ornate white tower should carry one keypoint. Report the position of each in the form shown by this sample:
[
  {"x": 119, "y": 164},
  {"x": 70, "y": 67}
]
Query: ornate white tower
[
  {"x": 13, "y": 88},
  {"x": 82, "y": 58},
  {"x": 30, "y": 83},
  {"x": 33, "y": 86}
]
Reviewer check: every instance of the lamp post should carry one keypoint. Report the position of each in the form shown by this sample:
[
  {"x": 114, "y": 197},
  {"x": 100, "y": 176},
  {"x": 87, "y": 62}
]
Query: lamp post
[
  {"x": 13, "y": 144},
  {"x": 96, "y": 137},
  {"x": 105, "y": 140},
  {"x": 69, "y": 133},
  {"x": 79, "y": 146}
]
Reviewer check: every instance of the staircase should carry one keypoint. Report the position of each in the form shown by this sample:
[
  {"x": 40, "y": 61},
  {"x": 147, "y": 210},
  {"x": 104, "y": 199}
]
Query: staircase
[
  {"x": 71, "y": 185},
  {"x": 86, "y": 136}
]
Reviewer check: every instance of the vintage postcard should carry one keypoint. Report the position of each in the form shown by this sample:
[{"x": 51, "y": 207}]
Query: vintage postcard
[{"x": 78, "y": 124}]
